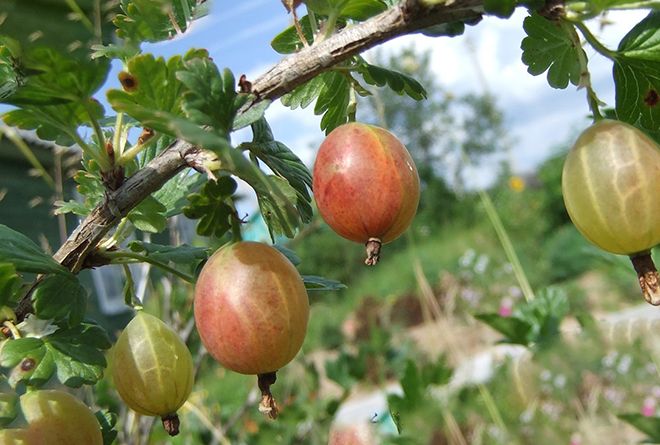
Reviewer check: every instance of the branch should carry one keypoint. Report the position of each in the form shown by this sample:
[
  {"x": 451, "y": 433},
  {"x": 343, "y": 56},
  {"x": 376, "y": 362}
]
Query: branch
[{"x": 410, "y": 16}]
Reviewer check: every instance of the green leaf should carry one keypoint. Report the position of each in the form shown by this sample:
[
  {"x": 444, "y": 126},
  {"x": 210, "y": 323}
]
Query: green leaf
[
  {"x": 362, "y": 9},
  {"x": 210, "y": 96},
  {"x": 272, "y": 204},
  {"x": 149, "y": 216},
  {"x": 77, "y": 353},
  {"x": 305, "y": 94},
  {"x": 339, "y": 370},
  {"x": 14, "y": 351},
  {"x": 92, "y": 190},
  {"x": 8, "y": 408},
  {"x": 398, "y": 82},
  {"x": 173, "y": 194},
  {"x": 212, "y": 207},
  {"x": 60, "y": 297},
  {"x": 284, "y": 163},
  {"x": 637, "y": 74},
  {"x": 647, "y": 425},
  {"x": 19, "y": 250},
  {"x": 549, "y": 46},
  {"x": 155, "y": 20},
  {"x": 74, "y": 354},
  {"x": 438, "y": 373},
  {"x": 316, "y": 283},
  {"x": 251, "y": 116},
  {"x": 515, "y": 330},
  {"x": 326, "y": 7},
  {"x": 500, "y": 8},
  {"x": 11, "y": 77},
  {"x": 411, "y": 384},
  {"x": 451, "y": 29},
  {"x": 10, "y": 283},
  {"x": 289, "y": 254},
  {"x": 643, "y": 40},
  {"x": 57, "y": 78},
  {"x": 288, "y": 42},
  {"x": 182, "y": 254},
  {"x": 332, "y": 101},
  {"x": 58, "y": 123},
  {"x": 158, "y": 94},
  {"x": 544, "y": 314},
  {"x": 27, "y": 356},
  {"x": 108, "y": 421}
]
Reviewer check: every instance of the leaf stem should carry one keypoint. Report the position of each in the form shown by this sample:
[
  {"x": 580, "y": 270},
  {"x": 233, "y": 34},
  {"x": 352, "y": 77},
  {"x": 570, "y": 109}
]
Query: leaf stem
[
  {"x": 95, "y": 125},
  {"x": 507, "y": 245},
  {"x": 328, "y": 26},
  {"x": 124, "y": 257},
  {"x": 118, "y": 236},
  {"x": 593, "y": 41},
  {"x": 135, "y": 150},
  {"x": 313, "y": 22},
  {"x": 585, "y": 75},
  {"x": 116, "y": 139}
]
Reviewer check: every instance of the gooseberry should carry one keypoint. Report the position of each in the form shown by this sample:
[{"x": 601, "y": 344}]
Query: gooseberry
[
  {"x": 366, "y": 185},
  {"x": 611, "y": 188},
  {"x": 55, "y": 418},
  {"x": 152, "y": 369},
  {"x": 251, "y": 310}
]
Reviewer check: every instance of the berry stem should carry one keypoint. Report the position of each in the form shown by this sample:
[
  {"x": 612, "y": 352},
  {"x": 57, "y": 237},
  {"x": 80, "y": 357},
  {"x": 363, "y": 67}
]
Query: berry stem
[
  {"x": 171, "y": 424},
  {"x": 268, "y": 406},
  {"x": 373, "y": 251},
  {"x": 649, "y": 279}
]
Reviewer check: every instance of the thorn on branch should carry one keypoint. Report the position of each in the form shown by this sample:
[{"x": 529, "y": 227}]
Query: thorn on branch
[{"x": 244, "y": 85}]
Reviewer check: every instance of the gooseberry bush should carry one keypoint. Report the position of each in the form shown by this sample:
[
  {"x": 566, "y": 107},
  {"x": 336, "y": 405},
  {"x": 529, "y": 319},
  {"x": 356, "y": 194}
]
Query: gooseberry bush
[{"x": 164, "y": 149}]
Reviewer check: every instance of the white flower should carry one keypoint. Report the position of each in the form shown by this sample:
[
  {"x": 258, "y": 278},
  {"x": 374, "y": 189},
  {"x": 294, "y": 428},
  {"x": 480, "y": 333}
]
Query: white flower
[{"x": 35, "y": 327}]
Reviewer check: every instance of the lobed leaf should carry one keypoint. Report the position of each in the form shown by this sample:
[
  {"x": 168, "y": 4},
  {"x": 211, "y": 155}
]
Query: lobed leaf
[
  {"x": 332, "y": 101},
  {"x": 550, "y": 47},
  {"x": 60, "y": 298},
  {"x": 157, "y": 94},
  {"x": 156, "y": 20},
  {"x": 149, "y": 216},
  {"x": 637, "y": 74},
  {"x": 288, "y": 41},
  {"x": 55, "y": 78},
  {"x": 284, "y": 163},
  {"x": 211, "y": 207}
]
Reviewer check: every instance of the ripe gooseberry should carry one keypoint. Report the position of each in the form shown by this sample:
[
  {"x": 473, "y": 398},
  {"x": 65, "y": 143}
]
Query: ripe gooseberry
[
  {"x": 610, "y": 187},
  {"x": 55, "y": 418},
  {"x": 152, "y": 369},
  {"x": 251, "y": 311},
  {"x": 366, "y": 185}
]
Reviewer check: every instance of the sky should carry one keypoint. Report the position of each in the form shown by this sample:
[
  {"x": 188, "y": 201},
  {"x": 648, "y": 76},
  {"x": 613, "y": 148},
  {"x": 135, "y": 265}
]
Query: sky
[{"x": 485, "y": 58}]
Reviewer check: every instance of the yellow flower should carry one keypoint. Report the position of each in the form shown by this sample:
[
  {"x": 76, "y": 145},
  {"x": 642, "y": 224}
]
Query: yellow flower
[{"x": 516, "y": 183}]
